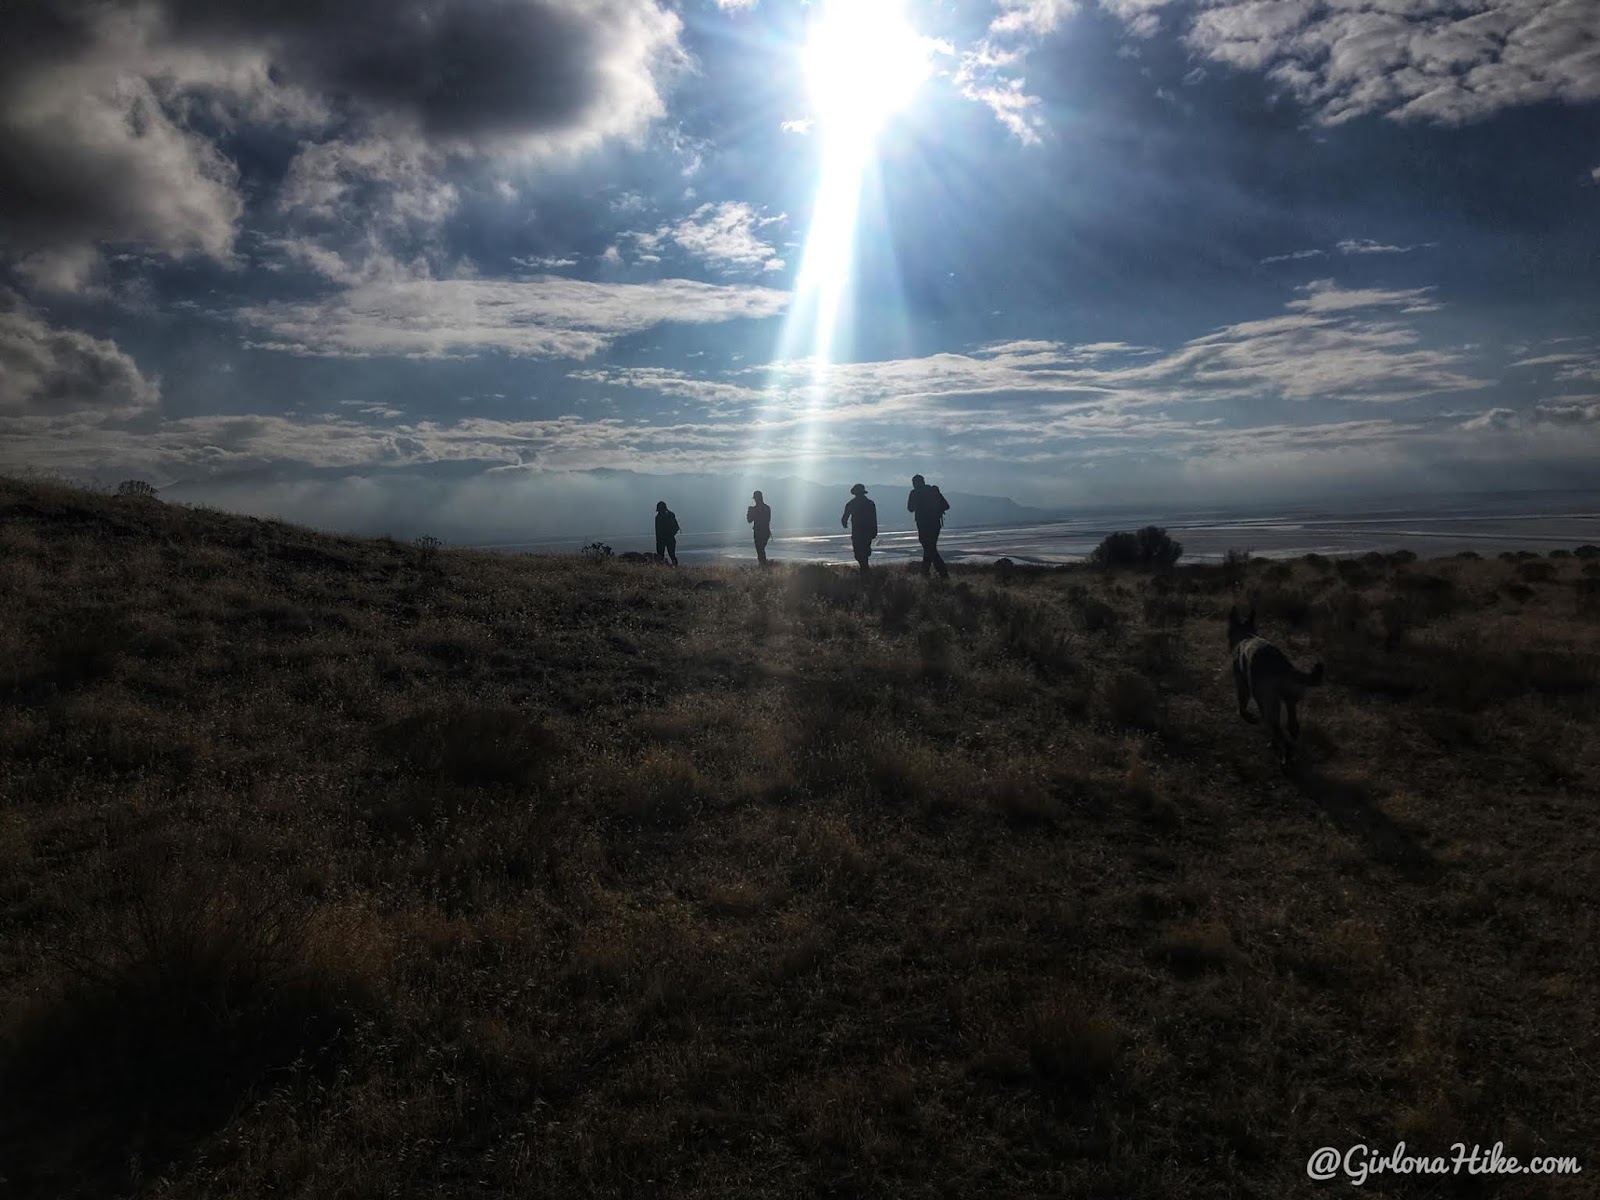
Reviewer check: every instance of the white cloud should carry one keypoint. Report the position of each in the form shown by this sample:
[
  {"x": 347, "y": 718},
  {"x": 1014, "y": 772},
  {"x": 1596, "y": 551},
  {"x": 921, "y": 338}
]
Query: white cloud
[
  {"x": 803, "y": 126},
  {"x": 727, "y": 236},
  {"x": 1332, "y": 343},
  {"x": 1445, "y": 61},
  {"x": 991, "y": 72},
  {"x": 1326, "y": 296},
  {"x": 1570, "y": 410},
  {"x": 545, "y": 317},
  {"x": 49, "y": 372},
  {"x": 1294, "y": 256},
  {"x": 547, "y": 262},
  {"x": 1035, "y": 17},
  {"x": 1492, "y": 419},
  {"x": 1368, "y": 246}
]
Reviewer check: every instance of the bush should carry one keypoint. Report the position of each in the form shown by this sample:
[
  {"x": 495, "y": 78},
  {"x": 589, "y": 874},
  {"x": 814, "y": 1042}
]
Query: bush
[
  {"x": 596, "y": 552},
  {"x": 1149, "y": 547},
  {"x": 427, "y": 548},
  {"x": 136, "y": 487}
]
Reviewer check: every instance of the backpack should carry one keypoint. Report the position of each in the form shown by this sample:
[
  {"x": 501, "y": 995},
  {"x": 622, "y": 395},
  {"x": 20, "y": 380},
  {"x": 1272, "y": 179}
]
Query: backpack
[
  {"x": 866, "y": 522},
  {"x": 930, "y": 505}
]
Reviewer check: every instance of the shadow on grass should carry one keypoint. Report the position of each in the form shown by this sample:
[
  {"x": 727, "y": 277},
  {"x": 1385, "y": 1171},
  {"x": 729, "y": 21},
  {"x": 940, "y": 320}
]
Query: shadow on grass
[
  {"x": 161, "y": 1038},
  {"x": 1353, "y": 810}
]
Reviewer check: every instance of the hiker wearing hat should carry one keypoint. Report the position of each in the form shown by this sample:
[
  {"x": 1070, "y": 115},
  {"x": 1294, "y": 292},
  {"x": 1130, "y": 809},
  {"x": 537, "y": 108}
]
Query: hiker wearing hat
[
  {"x": 861, "y": 515},
  {"x": 666, "y": 533},
  {"x": 759, "y": 514},
  {"x": 928, "y": 506}
]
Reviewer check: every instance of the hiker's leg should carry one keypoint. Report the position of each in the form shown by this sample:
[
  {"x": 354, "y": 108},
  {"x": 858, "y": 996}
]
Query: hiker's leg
[
  {"x": 672, "y": 550},
  {"x": 661, "y": 550},
  {"x": 938, "y": 559}
]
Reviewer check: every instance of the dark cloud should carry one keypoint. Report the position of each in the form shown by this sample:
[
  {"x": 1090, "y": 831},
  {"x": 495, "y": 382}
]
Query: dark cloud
[
  {"x": 457, "y": 69},
  {"x": 112, "y": 116}
]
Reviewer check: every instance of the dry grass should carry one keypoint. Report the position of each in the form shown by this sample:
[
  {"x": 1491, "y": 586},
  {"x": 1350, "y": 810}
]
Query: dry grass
[{"x": 349, "y": 867}]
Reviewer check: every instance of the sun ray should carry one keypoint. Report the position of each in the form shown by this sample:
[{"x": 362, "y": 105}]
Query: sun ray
[{"x": 863, "y": 64}]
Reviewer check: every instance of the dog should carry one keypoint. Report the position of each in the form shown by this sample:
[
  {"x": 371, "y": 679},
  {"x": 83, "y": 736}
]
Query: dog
[{"x": 1264, "y": 673}]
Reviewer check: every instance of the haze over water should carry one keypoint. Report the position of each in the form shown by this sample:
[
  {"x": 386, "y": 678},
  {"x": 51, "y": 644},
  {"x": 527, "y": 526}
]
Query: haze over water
[{"x": 1538, "y": 521}]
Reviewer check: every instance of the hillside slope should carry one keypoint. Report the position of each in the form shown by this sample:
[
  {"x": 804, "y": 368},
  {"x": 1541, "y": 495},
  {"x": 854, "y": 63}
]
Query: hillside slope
[{"x": 332, "y": 866}]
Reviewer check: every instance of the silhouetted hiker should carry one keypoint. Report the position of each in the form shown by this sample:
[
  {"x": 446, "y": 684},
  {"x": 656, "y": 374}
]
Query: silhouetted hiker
[
  {"x": 759, "y": 514},
  {"x": 666, "y": 533},
  {"x": 929, "y": 506},
  {"x": 861, "y": 515}
]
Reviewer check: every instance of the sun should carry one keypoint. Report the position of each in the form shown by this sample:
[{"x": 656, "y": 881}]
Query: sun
[{"x": 863, "y": 63}]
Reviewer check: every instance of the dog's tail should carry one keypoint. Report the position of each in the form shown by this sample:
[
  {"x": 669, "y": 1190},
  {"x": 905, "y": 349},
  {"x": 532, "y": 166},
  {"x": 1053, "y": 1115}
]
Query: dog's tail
[{"x": 1311, "y": 678}]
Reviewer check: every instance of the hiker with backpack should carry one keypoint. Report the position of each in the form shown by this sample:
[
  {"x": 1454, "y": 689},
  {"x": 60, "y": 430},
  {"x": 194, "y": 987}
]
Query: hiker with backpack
[
  {"x": 666, "y": 533},
  {"x": 759, "y": 515},
  {"x": 928, "y": 505},
  {"x": 861, "y": 517}
]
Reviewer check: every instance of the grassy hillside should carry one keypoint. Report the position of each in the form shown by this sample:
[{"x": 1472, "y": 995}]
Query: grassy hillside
[{"x": 332, "y": 866}]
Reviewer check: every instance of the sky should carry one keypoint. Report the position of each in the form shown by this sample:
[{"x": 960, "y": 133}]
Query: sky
[{"x": 479, "y": 266}]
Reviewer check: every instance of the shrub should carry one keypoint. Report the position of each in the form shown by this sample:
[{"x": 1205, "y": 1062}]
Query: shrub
[
  {"x": 1536, "y": 572},
  {"x": 167, "y": 1030},
  {"x": 1148, "y": 547},
  {"x": 473, "y": 745},
  {"x": 136, "y": 487},
  {"x": 1132, "y": 701},
  {"x": 427, "y": 548},
  {"x": 596, "y": 552}
]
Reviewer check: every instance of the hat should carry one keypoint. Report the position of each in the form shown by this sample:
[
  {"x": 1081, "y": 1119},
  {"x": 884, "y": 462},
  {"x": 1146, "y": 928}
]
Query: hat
[
  {"x": 860, "y": 489},
  {"x": 661, "y": 506},
  {"x": 918, "y": 479},
  {"x": 755, "y": 495}
]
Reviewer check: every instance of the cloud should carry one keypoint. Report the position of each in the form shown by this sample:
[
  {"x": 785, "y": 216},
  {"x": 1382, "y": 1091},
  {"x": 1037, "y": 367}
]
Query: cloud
[
  {"x": 804, "y": 124},
  {"x": 49, "y": 372},
  {"x": 1497, "y": 419},
  {"x": 991, "y": 73},
  {"x": 114, "y": 117},
  {"x": 1035, "y": 17},
  {"x": 1331, "y": 343},
  {"x": 544, "y": 263},
  {"x": 1294, "y": 256},
  {"x": 1442, "y": 61},
  {"x": 543, "y": 317},
  {"x": 1325, "y": 296},
  {"x": 726, "y": 236},
  {"x": 1570, "y": 410},
  {"x": 1368, "y": 246}
]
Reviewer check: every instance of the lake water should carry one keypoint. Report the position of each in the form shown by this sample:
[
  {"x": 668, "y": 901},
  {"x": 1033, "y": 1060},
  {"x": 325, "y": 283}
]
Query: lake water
[{"x": 1487, "y": 524}]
